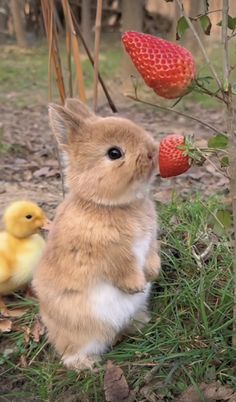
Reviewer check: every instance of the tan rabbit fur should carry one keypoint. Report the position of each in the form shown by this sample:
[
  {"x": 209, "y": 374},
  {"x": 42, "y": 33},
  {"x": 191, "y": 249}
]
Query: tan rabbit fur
[{"x": 101, "y": 255}]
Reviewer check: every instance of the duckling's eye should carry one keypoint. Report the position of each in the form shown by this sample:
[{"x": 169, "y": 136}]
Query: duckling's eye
[
  {"x": 114, "y": 153},
  {"x": 29, "y": 217}
]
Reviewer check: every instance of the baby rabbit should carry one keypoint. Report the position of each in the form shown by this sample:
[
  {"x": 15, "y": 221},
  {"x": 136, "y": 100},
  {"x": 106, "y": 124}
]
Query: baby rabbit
[{"x": 94, "y": 277}]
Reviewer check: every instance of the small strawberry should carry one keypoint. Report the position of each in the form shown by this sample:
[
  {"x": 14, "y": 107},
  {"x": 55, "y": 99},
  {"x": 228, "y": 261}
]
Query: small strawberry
[
  {"x": 172, "y": 160},
  {"x": 167, "y": 68}
]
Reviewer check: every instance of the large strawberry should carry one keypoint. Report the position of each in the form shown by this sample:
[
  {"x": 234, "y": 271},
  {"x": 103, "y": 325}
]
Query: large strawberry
[
  {"x": 165, "y": 67},
  {"x": 172, "y": 160}
]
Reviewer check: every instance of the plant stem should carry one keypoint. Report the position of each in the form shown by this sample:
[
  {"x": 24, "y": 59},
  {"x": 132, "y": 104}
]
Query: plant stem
[
  {"x": 224, "y": 39},
  {"x": 96, "y": 52},
  {"x": 168, "y": 109},
  {"x": 208, "y": 92},
  {"x": 77, "y": 32},
  {"x": 211, "y": 163},
  {"x": 191, "y": 26},
  {"x": 230, "y": 118}
]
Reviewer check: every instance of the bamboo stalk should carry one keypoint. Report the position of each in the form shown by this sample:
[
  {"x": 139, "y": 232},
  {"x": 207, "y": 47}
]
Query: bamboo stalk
[
  {"x": 76, "y": 52},
  {"x": 47, "y": 8},
  {"x": 79, "y": 35},
  {"x": 68, "y": 52},
  {"x": 50, "y": 35},
  {"x": 54, "y": 56},
  {"x": 96, "y": 52}
]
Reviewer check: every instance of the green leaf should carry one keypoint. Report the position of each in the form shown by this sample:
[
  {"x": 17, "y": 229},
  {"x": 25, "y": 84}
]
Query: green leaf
[
  {"x": 223, "y": 222},
  {"x": 225, "y": 218},
  {"x": 218, "y": 141},
  {"x": 206, "y": 24},
  {"x": 182, "y": 26},
  {"x": 234, "y": 89},
  {"x": 231, "y": 23},
  {"x": 224, "y": 162}
]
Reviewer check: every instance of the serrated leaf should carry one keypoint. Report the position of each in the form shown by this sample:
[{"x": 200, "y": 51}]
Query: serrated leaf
[
  {"x": 182, "y": 26},
  {"x": 218, "y": 141},
  {"x": 224, "y": 162},
  {"x": 233, "y": 88},
  {"x": 206, "y": 24},
  {"x": 231, "y": 23}
]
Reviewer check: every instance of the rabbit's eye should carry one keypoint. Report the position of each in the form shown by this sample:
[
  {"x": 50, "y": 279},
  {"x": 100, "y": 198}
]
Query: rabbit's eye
[{"x": 114, "y": 153}]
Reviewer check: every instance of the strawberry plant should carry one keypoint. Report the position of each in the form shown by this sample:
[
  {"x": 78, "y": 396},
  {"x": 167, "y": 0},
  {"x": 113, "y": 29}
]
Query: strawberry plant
[{"x": 170, "y": 70}]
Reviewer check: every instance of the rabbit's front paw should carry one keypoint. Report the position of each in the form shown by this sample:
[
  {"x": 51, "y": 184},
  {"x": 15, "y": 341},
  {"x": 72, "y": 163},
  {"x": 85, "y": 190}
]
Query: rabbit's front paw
[
  {"x": 152, "y": 267},
  {"x": 134, "y": 283}
]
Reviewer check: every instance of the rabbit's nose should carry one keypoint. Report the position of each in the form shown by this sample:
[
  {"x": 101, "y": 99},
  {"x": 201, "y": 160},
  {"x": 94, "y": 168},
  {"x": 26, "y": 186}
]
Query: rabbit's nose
[{"x": 150, "y": 155}]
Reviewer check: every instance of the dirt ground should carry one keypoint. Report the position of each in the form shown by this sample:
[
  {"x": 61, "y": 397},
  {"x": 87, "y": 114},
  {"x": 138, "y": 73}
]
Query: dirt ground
[{"x": 29, "y": 165}]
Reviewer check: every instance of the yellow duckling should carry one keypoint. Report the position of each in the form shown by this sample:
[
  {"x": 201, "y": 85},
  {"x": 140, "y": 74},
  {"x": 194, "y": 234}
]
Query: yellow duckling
[{"x": 20, "y": 245}]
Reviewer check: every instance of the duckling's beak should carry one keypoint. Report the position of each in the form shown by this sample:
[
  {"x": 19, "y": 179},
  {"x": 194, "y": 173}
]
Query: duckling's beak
[{"x": 46, "y": 225}]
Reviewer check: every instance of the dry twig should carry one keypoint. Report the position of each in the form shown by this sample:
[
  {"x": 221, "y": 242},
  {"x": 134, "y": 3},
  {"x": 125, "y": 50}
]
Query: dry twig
[
  {"x": 168, "y": 109},
  {"x": 191, "y": 26},
  {"x": 96, "y": 51},
  {"x": 230, "y": 119},
  {"x": 77, "y": 32}
]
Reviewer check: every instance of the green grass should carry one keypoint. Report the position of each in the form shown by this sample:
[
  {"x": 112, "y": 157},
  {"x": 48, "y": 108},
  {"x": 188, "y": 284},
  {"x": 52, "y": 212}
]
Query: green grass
[
  {"x": 24, "y": 73},
  {"x": 187, "y": 341}
]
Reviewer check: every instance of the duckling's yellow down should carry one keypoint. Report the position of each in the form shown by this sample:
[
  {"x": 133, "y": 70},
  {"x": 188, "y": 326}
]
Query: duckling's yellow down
[{"x": 20, "y": 246}]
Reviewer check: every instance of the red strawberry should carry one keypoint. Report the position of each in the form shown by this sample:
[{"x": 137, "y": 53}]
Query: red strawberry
[
  {"x": 173, "y": 161},
  {"x": 165, "y": 67}
]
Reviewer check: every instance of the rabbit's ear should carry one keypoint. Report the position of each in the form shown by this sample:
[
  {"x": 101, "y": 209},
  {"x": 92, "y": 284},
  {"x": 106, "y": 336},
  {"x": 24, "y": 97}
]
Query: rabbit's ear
[
  {"x": 65, "y": 124},
  {"x": 79, "y": 108}
]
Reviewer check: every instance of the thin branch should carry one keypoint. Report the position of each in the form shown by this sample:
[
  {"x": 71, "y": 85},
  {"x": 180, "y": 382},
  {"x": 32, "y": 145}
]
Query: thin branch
[
  {"x": 230, "y": 119},
  {"x": 206, "y": 13},
  {"x": 168, "y": 109},
  {"x": 77, "y": 32},
  {"x": 191, "y": 26},
  {"x": 208, "y": 92},
  {"x": 212, "y": 163},
  {"x": 96, "y": 52},
  {"x": 224, "y": 35}
]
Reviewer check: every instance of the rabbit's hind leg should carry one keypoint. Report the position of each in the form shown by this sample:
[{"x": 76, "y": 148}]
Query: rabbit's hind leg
[
  {"x": 141, "y": 318},
  {"x": 86, "y": 357}
]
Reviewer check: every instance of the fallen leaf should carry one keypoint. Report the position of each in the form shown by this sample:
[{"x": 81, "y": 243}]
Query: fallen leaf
[
  {"x": 16, "y": 312},
  {"x": 38, "y": 330},
  {"x": 23, "y": 362},
  {"x": 5, "y": 325},
  {"x": 45, "y": 171},
  {"x": 115, "y": 385},
  {"x": 208, "y": 392},
  {"x": 42, "y": 172}
]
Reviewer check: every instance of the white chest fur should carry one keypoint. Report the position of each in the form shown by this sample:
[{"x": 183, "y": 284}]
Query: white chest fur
[
  {"x": 115, "y": 307},
  {"x": 141, "y": 248}
]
